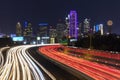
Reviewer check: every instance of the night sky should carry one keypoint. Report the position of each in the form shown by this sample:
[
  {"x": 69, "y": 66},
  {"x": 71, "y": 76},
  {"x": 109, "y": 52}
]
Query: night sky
[{"x": 37, "y": 11}]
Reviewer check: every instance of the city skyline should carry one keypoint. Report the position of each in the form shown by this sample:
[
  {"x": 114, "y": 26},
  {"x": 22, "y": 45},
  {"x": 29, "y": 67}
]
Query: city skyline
[{"x": 51, "y": 11}]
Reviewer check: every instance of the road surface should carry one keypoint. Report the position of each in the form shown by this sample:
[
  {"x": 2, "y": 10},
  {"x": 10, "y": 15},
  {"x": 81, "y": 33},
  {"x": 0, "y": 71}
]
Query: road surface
[
  {"x": 19, "y": 65},
  {"x": 92, "y": 69}
]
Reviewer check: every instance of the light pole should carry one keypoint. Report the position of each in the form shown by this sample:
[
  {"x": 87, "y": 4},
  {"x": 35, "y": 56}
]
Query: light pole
[{"x": 90, "y": 39}]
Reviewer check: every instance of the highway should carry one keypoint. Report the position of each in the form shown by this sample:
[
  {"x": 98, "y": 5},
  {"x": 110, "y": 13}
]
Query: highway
[
  {"x": 19, "y": 65},
  {"x": 59, "y": 72},
  {"x": 92, "y": 69},
  {"x": 108, "y": 58},
  {"x": 24, "y": 63}
]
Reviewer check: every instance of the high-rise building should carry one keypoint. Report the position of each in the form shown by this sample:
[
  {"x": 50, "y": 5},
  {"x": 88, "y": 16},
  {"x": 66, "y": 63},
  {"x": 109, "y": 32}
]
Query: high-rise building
[
  {"x": 60, "y": 28},
  {"x": 73, "y": 27},
  {"x": 43, "y": 32},
  {"x": 28, "y": 31},
  {"x": 18, "y": 29},
  {"x": 66, "y": 31},
  {"x": 101, "y": 29},
  {"x": 98, "y": 29},
  {"x": 80, "y": 29},
  {"x": 86, "y": 26},
  {"x": 25, "y": 24},
  {"x": 52, "y": 35}
]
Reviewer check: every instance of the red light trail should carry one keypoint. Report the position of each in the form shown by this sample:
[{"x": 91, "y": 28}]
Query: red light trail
[{"x": 92, "y": 69}]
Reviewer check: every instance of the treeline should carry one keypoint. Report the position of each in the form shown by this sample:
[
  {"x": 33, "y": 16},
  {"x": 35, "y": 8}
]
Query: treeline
[
  {"x": 6, "y": 42},
  {"x": 109, "y": 42}
]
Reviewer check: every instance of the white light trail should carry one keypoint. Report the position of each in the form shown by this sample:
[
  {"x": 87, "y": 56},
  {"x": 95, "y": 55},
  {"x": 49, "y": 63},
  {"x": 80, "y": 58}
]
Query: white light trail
[{"x": 20, "y": 65}]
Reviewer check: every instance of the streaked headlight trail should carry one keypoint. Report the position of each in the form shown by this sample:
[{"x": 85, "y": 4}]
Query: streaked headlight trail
[{"x": 19, "y": 65}]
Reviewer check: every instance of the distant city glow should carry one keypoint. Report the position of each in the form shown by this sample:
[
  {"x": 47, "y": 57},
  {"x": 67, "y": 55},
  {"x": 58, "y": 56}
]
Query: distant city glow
[
  {"x": 1, "y": 35},
  {"x": 12, "y": 35}
]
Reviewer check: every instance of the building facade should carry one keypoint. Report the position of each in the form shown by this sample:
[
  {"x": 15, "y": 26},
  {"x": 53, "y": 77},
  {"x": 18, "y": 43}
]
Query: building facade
[
  {"x": 73, "y": 27},
  {"x": 43, "y": 32},
  {"x": 60, "y": 28},
  {"x": 18, "y": 29},
  {"x": 98, "y": 29},
  {"x": 86, "y": 26},
  {"x": 28, "y": 31}
]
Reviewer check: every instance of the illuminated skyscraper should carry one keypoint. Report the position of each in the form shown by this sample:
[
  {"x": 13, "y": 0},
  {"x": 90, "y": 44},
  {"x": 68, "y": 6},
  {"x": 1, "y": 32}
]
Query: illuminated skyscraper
[
  {"x": 98, "y": 29},
  {"x": 80, "y": 29},
  {"x": 66, "y": 31},
  {"x": 18, "y": 29},
  {"x": 101, "y": 29},
  {"x": 73, "y": 24},
  {"x": 25, "y": 24},
  {"x": 43, "y": 32},
  {"x": 28, "y": 30},
  {"x": 60, "y": 28},
  {"x": 52, "y": 33},
  {"x": 86, "y": 26}
]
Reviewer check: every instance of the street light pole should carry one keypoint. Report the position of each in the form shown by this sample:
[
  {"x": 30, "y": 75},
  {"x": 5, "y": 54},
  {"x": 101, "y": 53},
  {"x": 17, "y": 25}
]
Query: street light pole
[{"x": 90, "y": 39}]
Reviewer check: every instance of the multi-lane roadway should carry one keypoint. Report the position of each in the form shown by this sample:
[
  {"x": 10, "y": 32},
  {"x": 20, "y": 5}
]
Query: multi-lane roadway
[
  {"x": 19, "y": 65},
  {"x": 24, "y": 63},
  {"x": 92, "y": 69},
  {"x": 58, "y": 71}
]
